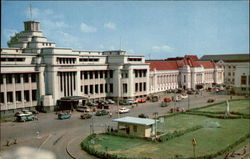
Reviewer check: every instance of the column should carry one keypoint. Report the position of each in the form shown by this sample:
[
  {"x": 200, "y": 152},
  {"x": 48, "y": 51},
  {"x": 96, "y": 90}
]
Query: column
[
  {"x": 14, "y": 90},
  {"x": 5, "y": 91}
]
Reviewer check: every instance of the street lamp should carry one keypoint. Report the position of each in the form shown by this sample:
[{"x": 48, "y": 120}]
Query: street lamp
[{"x": 194, "y": 144}]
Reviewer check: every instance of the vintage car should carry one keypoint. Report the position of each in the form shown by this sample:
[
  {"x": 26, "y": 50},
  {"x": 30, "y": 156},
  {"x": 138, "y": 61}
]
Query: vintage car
[
  {"x": 64, "y": 116},
  {"x": 25, "y": 117},
  {"x": 123, "y": 110},
  {"x": 85, "y": 116},
  {"x": 102, "y": 112}
]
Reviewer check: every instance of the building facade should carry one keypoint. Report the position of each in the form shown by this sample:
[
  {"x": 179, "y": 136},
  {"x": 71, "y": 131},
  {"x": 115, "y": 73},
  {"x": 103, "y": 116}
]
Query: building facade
[
  {"x": 34, "y": 72},
  {"x": 236, "y": 66},
  {"x": 183, "y": 72}
]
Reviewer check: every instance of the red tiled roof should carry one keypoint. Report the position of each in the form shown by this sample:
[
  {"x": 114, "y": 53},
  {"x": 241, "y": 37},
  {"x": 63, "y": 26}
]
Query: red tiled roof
[
  {"x": 174, "y": 65},
  {"x": 192, "y": 57},
  {"x": 163, "y": 65},
  {"x": 206, "y": 64}
]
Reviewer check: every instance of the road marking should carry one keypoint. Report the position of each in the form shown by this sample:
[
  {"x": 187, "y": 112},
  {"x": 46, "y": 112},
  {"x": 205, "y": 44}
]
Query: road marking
[{"x": 44, "y": 142}]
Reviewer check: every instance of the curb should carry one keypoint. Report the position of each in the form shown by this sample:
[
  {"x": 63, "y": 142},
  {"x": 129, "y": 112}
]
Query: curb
[{"x": 67, "y": 149}]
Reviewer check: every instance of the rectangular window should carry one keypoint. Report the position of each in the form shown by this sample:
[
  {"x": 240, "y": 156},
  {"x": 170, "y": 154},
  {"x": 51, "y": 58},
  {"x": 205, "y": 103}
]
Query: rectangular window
[
  {"x": 233, "y": 73},
  {"x": 86, "y": 89},
  {"x": 135, "y": 128},
  {"x": 33, "y": 95},
  {"x": 243, "y": 79},
  {"x": 90, "y": 74},
  {"x": 1, "y": 79},
  {"x": 229, "y": 73},
  {"x": 136, "y": 73},
  {"x": 1, "y": 97},
  {"x": 10, "y": 97},
  {"x": 111, "y": 87},
  {"x": 101, "y": 88},
  {"x": 9, "y": 78},
  {"x": 85, "y": 74},
  {"x": 25, "y": 78},
  {"x": 140, "y": 86},
  {"x": 18, "y": 96},
  {"x": 96, "y": 74},
  {"x": 26, "y": 96},
  {"x": 106, "y": 88},
  {"x": 96, "y": 88},
  {"x": 144, "y": 86},
  {"x": 140, "y": 73},
  {"x": 91, "y": 89},
  {"x": 249, "y": 79},
  {"x": 101, "y": 74},
  {"x": 125, "y": 87},
  {"x": 33, "y": 77},
  {"x": 184, "y": 78},
  {"x": 81, "y": 88},
  {"x": 136, "y": 87},
  {"x": 106, "y": 74},
  {"x": 110, "y": 74},
  {"x": 81, "y": 75},
  {"x": 17, "y": 78},
  {"x": 144, "y": 73}
]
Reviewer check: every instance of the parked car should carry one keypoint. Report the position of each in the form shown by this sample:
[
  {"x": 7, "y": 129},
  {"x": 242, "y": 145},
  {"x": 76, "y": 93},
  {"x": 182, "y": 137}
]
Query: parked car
[
  {"x": 109, "y": 101},
  {"x": 123, "y": 110},
  {"x": 127, "y": 102},
  {"x": 210, "y": 100},
  {"x": 101, "y": 112},
  {"x": 91, "y": 104},
  {"x": 184, "y": 96},
  {"x": 190, "y": 92},
  {"x": 141, "y": 100},
  {"x": 85, "y": 116},
  {"x": 35, "y": 112},
  {"x": 25, "y": 117},
  {"x": 143, "y": 116},
  {"x": 63, "y": 116},
  {"x": 167, "y": 100},
  {"x": 83, "y": 109},
  {"x": 177, "y": 98},
  {"x": 26, "y": 112}
]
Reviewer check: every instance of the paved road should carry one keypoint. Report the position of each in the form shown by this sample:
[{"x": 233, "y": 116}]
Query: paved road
[{"x": 55, "y": 135}]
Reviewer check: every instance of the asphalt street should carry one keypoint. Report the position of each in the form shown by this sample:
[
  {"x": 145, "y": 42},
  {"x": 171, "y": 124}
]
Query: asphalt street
[{"x": 55, "y": 135}]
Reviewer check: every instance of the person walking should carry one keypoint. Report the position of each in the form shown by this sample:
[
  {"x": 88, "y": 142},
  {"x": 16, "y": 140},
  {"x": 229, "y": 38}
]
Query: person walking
[{"x": 110, "y": 114}]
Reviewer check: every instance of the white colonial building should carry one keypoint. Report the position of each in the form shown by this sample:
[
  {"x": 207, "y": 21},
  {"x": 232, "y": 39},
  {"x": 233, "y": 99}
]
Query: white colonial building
[
  {"x": 236, "y": 72},
  {"x": 183, "y": 72},
  {"x": 36, "y": 73}
]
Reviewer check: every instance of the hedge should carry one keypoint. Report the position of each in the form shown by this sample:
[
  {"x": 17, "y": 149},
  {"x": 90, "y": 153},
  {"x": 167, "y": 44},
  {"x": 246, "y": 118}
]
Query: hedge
[{"x": 175, "y": 134}]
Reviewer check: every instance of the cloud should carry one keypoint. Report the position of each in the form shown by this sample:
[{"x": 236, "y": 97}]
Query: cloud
[
  {"x": 87, "y": 28},
  {"x": 130, "y": 51},
  {"x": 110, "y": 25},
  {"x": 162, "y": 48}
]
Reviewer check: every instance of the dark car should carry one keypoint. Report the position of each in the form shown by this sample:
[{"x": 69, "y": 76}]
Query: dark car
[
  {"x": 86, "y": 116},
  {"x": 91, "y": 104},
  {"x": 101, "y": 112},
  {"x": 210, "y": 100},
  {"x": 143, "y": 116},
  {"x": 35, "y": 112}
]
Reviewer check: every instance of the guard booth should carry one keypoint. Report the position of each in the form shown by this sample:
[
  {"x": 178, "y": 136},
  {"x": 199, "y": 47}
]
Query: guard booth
[{"x": 71, "y": 102}]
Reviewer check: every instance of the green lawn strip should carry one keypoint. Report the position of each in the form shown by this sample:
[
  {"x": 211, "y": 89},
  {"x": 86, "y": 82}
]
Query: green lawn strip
[
  {"x": 209, "y": 140},
  {"x": 220, "y": 116},
  {"x": 238, "y": 106}
]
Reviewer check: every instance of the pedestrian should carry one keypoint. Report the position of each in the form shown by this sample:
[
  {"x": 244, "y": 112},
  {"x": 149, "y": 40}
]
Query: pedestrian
[{"x": 110, "y": 114}]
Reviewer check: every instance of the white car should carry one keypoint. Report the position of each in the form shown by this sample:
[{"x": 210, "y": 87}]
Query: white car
[
  {"x": 123, "y": 110},
  {"x": 184, "y": 96}
]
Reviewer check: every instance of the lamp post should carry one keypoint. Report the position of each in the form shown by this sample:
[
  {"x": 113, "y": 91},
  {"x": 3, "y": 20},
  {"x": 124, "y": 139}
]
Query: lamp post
[{"x": 194, "y": 144}]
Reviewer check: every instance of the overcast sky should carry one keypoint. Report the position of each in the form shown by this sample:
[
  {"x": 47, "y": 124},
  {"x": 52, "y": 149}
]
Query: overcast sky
[{"x": 160, "y": 29}]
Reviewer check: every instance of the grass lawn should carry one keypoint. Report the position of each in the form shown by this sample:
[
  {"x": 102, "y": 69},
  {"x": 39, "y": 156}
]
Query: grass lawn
[
  {"x": 209, "y": 140},
  {"x": 241, "y": 106}
]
